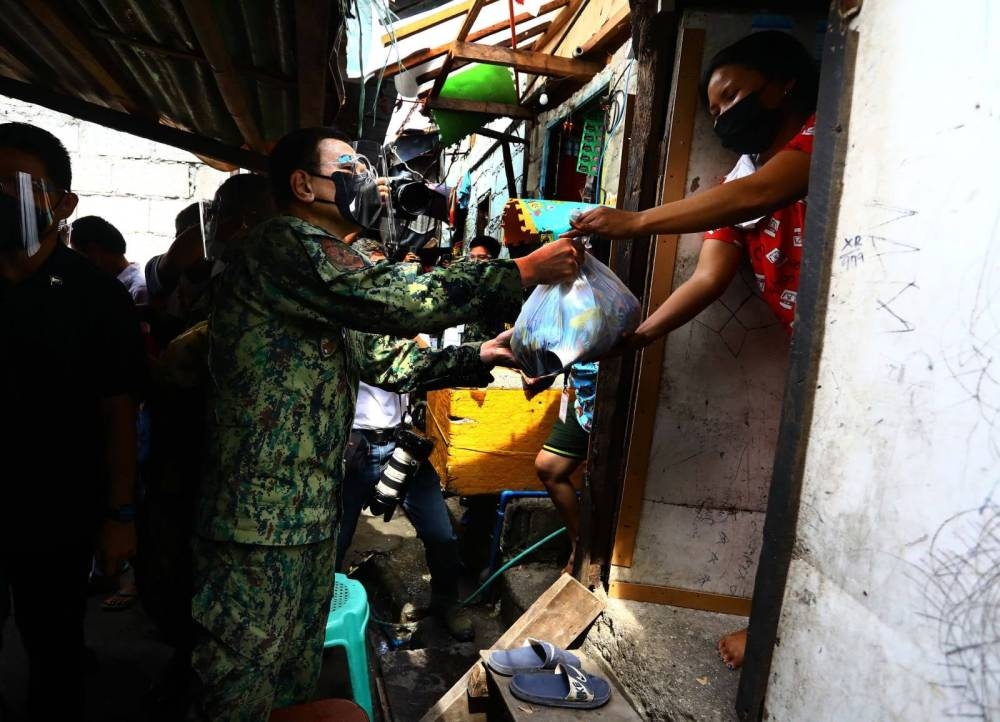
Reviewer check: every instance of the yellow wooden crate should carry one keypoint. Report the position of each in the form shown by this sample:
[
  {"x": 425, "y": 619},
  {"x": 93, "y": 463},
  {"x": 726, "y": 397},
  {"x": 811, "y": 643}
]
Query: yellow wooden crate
[{"x": 486, "y": 440}]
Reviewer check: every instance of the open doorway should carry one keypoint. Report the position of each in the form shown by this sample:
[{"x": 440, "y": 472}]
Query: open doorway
[
  {"x": 572, "y": 151},
  {"x": 707, "y": 403}
]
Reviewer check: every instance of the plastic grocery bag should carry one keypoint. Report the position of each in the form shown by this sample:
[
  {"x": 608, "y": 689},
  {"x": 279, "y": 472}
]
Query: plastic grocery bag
[{"x": 579, "y": 321}]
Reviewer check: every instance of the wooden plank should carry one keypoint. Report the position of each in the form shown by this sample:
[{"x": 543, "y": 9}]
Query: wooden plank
[
  {"x": 616, "y": 710},
  {"x": 449, "y": 59},
  {"x": 441, "y": 16},
  {"x": 612, "y": 33},
  {"x": 558, "y": 24},
  {"x": 312, "y": 55},
  {"x": 561, "y": 614},
  {"x": 655, "y": 36},
  {"x": 526, "y": 35},
  {"x": 527, "y": 61},
  {"x": 198, "y": 144},
  {"x": 77, "y": 45},
  {"x": 475, "y": 106},
  {"x": 674, "y": 597},
  {"x": 427, "y": 54},
  {"x": 681, "y": 132},
  {"x": 234, "y": 95}
]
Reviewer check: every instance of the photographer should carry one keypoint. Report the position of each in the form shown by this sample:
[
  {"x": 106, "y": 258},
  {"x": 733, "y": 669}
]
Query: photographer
[{"x": 377, "y": 421}]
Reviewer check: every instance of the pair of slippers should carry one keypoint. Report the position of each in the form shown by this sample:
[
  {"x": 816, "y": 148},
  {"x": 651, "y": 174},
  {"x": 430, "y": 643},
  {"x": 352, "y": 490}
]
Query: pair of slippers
[{"x": 544, "y": 674}]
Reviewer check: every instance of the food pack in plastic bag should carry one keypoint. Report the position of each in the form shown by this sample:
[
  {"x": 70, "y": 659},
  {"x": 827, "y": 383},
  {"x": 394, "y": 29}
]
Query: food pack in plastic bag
[{"x": 570, "y": 322}]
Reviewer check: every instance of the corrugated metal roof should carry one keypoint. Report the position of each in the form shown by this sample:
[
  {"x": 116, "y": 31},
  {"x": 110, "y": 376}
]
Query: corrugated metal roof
[{"x": 145, "y": 59}]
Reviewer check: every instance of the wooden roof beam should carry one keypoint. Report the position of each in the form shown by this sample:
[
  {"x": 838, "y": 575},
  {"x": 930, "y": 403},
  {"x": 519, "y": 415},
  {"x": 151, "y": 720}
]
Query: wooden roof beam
[
  {"x": 476, "y": 106},
  {"x": 427, "y": 54},
  {"x": 68, "y": 34},
  {"x": 526, "y": 35},
  {"x": 312, "y": 55},
  {"x": 463, "y": 32},
  {"x": 234, "y": 95},
  {"x": 142, "y": 127},
  {"x": 441, "y": 16},
  {"x": 527, "y": 61},
  {"x": 558, "y": 24},
  {"x": 613, "y": 32}
]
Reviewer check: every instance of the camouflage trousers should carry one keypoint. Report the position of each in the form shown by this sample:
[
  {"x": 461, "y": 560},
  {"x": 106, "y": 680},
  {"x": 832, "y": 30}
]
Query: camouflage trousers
[{"x": 262, "y": 612}]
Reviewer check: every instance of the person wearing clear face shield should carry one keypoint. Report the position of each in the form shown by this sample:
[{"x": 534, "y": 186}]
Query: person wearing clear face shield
[
  {"x": 761, "y": 93},
  {"x": 71, "y": 370}
]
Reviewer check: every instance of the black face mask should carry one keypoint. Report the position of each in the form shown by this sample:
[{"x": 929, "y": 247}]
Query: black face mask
[
  {"x": 346, "y": 194},
  {"x": 748, "y": 127}
]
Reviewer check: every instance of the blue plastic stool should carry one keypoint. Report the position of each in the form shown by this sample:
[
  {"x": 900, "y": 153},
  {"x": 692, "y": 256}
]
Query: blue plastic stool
[{"x": 345, "y": 627}]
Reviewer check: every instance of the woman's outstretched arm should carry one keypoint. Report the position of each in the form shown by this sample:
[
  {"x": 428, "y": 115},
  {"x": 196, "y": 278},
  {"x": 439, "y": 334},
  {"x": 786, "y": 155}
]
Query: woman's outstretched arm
[{"x": 782, "y": 180}]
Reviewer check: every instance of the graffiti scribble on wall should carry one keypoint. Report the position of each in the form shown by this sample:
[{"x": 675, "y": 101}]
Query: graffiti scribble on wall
[{"x": 962, "y": 589}]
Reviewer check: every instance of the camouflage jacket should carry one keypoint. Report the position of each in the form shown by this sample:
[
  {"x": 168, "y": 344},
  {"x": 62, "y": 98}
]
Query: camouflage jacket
[{"x": 290, "y": 335}]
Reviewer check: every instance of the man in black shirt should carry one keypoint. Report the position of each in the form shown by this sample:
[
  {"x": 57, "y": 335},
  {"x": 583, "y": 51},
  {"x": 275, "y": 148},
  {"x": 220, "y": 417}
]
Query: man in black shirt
[{"x": 71, "y": 369}]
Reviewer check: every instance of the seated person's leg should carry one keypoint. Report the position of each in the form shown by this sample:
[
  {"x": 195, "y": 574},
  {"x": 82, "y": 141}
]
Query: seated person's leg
[{"x": 562, "y": 453}]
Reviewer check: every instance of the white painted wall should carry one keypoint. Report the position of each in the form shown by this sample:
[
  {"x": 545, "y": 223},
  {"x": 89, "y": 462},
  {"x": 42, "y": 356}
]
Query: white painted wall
[
  {"x": 893, "y": 601},
  {"x": 137, "y": 185}
]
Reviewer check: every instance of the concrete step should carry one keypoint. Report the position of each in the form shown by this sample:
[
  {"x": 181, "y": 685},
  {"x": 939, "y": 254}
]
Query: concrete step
[{"x": 528, "y": 520}]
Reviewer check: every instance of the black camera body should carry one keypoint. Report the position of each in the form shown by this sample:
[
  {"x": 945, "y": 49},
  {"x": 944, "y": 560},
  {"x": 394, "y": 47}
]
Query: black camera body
[
  {"x": 412, "y": 450},
  {"x": 409, "y": 195}
]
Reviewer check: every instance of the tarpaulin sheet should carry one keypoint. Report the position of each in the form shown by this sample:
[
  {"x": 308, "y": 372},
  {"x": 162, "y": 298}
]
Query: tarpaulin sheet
[{"x": 479, "y": 82}]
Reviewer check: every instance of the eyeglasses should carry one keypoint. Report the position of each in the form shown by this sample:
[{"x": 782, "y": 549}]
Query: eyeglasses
[{"x": 357, "y": 165}]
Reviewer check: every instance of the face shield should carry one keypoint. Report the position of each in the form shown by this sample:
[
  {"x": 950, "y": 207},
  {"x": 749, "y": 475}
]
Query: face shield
[
  {"x": 27, "y": 209},
  {"x": 354, "y": 179}
]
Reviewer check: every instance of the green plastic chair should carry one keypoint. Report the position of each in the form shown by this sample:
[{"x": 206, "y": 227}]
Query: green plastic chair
[{"x": 345, "y": 627}]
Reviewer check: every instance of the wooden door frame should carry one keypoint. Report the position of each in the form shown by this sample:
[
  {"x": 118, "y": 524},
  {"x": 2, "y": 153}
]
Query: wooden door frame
[{"x": 654, "y": 36}]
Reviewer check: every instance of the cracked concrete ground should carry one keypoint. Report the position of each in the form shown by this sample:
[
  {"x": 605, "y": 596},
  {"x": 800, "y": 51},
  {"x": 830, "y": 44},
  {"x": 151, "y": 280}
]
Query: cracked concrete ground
[{"x": 665, "y": 660}]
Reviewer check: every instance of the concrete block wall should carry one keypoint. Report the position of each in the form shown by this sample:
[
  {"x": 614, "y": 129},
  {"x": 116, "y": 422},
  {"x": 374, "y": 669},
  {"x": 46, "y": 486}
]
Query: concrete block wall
[{"x": 136, "y": 184}]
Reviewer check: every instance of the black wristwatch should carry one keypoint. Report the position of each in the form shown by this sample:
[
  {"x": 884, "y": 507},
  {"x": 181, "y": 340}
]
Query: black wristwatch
[{"x": 124, "y": 513}]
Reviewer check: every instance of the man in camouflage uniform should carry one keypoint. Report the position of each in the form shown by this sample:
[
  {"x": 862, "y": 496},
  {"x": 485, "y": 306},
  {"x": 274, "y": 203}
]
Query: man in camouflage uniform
[{"x": 289, "y": 339}]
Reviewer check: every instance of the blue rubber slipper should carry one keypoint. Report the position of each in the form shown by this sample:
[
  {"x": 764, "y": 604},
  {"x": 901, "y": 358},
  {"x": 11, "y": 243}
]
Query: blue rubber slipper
[
  {"x": 535, "y": 656},
  {"x": 569, "y": 687}
]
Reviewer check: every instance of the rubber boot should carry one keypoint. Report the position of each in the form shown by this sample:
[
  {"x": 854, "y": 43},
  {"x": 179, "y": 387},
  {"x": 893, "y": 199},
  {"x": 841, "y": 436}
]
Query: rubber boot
[
  {"x": 455, "y": 618},
  {"x": 445, "y": 566}
]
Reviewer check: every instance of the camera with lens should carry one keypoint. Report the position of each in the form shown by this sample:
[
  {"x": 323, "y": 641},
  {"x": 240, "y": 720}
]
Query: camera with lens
[
  {"x": 412, "y": 450},
  {"x": 410, "y": 195}
]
